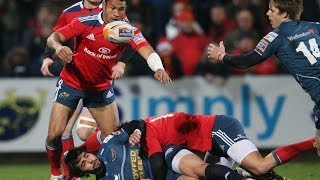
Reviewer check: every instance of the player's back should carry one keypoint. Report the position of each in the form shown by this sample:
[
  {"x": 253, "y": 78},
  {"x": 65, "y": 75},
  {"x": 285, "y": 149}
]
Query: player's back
[
  {"x": 299, "y": 51},
  {"x": 122, "y": 160},
  {"x": 180, "y": 128}
]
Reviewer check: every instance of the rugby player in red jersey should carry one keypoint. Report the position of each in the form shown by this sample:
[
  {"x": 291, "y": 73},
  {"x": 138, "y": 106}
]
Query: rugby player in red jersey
[
  {"x": 87, "y": 74},
  {"x": 220, "y": 135}
]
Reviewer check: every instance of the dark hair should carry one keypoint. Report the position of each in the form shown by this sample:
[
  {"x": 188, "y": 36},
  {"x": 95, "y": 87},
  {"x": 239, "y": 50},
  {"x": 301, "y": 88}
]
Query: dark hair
[
  {"x": 293, "y": 8},
  {"x": 72, "y": 159}
]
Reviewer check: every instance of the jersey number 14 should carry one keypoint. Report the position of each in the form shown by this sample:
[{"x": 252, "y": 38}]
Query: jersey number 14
[{"x": 311, "y": 54}]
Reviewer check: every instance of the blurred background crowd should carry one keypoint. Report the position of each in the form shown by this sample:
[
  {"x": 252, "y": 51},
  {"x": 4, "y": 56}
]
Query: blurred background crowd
[{"x": 179, "y": 30}]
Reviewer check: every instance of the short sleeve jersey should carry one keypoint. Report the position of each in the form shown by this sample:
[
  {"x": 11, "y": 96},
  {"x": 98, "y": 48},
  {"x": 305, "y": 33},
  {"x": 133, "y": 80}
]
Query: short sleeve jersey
[
  {"x": 94, "y": 56},
  {"x": 296, "y": 44},
  {"x": 193, "y": 131},
  {"x": 74, "y": 11}
]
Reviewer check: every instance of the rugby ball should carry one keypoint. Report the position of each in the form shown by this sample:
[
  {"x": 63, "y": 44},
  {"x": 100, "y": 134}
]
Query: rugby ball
[{"x": 118, "y": 32}]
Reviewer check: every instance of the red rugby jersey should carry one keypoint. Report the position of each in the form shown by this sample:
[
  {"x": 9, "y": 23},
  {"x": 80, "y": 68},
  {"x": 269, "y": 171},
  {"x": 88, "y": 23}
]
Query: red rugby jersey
[
  {"x": 93, "y": 56},
  {"x": 74, "y": 11},
  {"x": 179, "y": 128}
]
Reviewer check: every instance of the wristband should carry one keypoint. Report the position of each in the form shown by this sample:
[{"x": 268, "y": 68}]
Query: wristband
[{"x": 154, "y": 62}]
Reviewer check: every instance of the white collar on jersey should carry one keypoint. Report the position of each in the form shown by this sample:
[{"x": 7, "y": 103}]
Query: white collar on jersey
[{"x": 100, "y": 18}]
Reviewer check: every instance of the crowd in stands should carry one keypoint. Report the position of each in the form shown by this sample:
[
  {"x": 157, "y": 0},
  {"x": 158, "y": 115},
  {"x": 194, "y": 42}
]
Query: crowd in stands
[{"x": 179, "y": 30}]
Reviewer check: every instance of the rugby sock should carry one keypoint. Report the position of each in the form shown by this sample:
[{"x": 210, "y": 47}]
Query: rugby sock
[
  {"x": 220, "y": 172},
  {"x": 93, "y": 142},
  {"x": 54, "y": 156},
  {"x": 285, "y": 153},
  {"x": 67, "y": 144}
]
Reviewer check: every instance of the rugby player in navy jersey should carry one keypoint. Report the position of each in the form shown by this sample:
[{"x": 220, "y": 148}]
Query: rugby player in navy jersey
[
  {"x": 88, "y": 72},
  {"x": 117, "y": 159},
  {"x": 294, "y": 42}
]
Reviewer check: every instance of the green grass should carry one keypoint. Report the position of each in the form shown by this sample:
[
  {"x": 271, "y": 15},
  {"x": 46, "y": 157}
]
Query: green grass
[
  {"x": 27, "y": 172},
  {"x": 303, "y": 168},
  {"x": 300, "y": 170}
]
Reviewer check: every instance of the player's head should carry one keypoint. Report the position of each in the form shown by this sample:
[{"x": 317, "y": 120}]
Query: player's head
[
  {"x": 280, "y": 10},
  {"x": 94, "y": 2},
  {"x": 113, "y": 10},
  {"x": 82, "y": 164}
]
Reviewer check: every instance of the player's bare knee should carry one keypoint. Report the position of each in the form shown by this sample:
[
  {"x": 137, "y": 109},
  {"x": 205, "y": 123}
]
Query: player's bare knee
[{"x": 83, "y": 133}]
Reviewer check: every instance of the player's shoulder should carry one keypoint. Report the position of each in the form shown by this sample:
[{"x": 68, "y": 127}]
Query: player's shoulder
[
  {"x": 78, "y": 6},
  {"x": 90, "y": 19}
]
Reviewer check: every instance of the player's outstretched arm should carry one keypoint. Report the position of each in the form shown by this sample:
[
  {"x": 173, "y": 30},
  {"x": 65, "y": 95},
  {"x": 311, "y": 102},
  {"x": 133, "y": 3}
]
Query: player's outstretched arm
[{"x": 155, "y": 64}]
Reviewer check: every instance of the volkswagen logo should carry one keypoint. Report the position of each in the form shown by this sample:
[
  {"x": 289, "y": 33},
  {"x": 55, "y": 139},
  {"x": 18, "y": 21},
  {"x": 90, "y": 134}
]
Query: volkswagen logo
[{"x": 104, "y": 50}]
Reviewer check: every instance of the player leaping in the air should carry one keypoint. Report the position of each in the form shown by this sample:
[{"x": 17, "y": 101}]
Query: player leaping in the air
[{"x": 294, "y": 42}]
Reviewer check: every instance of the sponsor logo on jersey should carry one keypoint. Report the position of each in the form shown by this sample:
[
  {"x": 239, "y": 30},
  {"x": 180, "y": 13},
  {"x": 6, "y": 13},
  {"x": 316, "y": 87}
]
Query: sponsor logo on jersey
[
  {"x": 270, "y": 36},
  {"x": 138, "y": 38},
  {"x": 109, "y": 95},
  {"x": 240, "y": 137},
  {"x": 303, "y": 34},
  {"x": 91, "y": 37},
  {"x": 264, "y": 42},
  {"x": 136, "y": 164},
  {"x": 125, "y": 32},
  {"x": 98, "y": 55},
  {"x": 104, "y": 50}
]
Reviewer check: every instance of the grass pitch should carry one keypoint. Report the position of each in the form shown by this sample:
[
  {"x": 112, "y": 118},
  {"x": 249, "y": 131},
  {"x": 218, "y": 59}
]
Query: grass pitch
[{"x": 305, "y": 167}]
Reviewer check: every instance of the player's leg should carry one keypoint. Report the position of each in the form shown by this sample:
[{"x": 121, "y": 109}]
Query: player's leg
[
  {"x": 229, "y": 139},
  {"x": 185, "y": 162},
  {"x": 67, "y": 138},
  {"x": 85, "y": 124},
  {"x": 284, "y": 154},
  {"x": 316, "y": 118},
  {"x": 65, "y": 101},
  {"x": 104, "y": 110},
  {"x": 58, "y": 120}
]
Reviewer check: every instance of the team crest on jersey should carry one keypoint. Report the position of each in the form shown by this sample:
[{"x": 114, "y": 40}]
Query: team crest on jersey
[{"x": 64, "y": 95}]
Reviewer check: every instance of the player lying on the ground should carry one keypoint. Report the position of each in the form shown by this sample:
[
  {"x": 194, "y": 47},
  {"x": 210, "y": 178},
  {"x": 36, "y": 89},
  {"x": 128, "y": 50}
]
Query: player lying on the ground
[
  {"x": 220, "y": 135},
  {"x": 119, "y": 160}
]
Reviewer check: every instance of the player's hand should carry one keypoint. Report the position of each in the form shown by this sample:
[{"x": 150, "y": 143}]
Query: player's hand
[
  {"x": 64, "y": 53},
  {"x": 135, "y": 137},
  {"x": 162, "y": 76},
  {"x": 46, "y": 63},
  {"x": 216, "y": 52},
  {"x": 118, "y": 70}
]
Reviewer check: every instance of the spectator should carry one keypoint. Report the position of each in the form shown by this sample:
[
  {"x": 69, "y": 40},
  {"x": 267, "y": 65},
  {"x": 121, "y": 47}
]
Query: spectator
[
  {"x": 244, "y": 20},
  {"x": 189, "y": 45},
  {"x": 220, "y": 23},
  {"x": 170, "y": 62},
  {"x": 141, "y": 10},
  {"x": 16, "y": 63}
]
